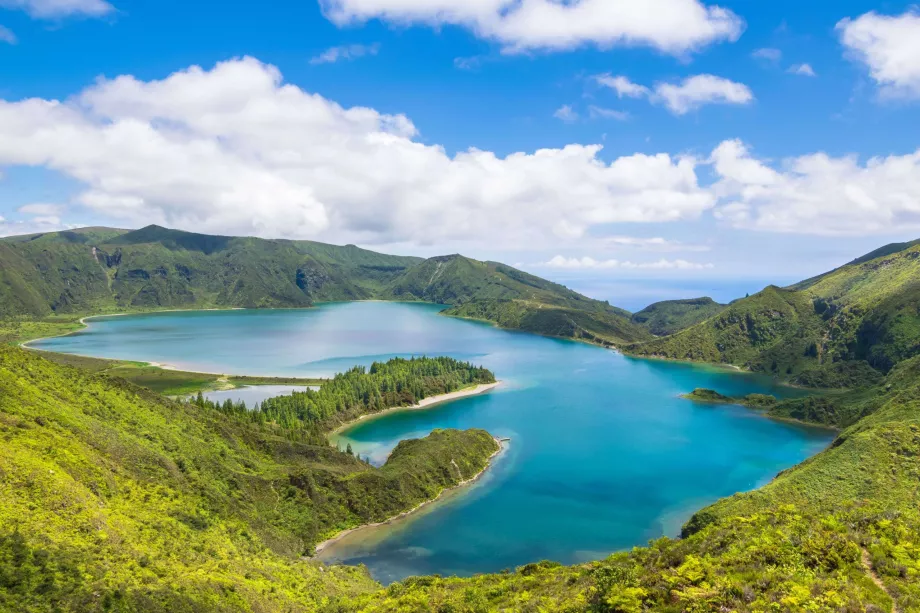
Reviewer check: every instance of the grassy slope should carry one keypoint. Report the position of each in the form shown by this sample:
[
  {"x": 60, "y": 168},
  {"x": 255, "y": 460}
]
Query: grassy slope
[
  {"x": 105, "y": 271},
  {"x": 816, "y": 539},
  {"x": 838, "y": 330},
  {"x": 671, "y": 316},
  {"x": 514, "y": 299},
  {"x": 154, "y": 267},
  {"x": 114, "y": 498}
]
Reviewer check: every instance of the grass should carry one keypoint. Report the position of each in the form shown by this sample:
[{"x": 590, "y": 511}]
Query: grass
[
  {"x": 167, "y": 381},
  {"x": 113, "y": 498},
  {"x": 844, "y": 329}
]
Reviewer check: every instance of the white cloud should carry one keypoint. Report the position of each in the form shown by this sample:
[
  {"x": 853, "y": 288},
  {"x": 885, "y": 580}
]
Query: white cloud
[
  {"x": 588, "y": 263},
  {"x": 651, "y": 244},
  {"x": 235, "y": 150},
  {"x": 32, "y": 226},
  {"x": 817, "y": 193},
  {"x": 345, "y": 52},
  {"x": 700, "y": 90},
  {"x": 7, "y": 36},
  {"x": 688, "y": 95},
  {"x": 52, "y": 9},
  {"x": 566, "y": 113},
  {"x": 623, "y": 86},
  {"x": 890, "y": 47},
  {"x": 671, "y": 26},
  {"x": 41, "y": 208},
  {"x": 804, "y": 70},
  {"x": 598, "y": 112},
  {"x": 768, "y": 54}
]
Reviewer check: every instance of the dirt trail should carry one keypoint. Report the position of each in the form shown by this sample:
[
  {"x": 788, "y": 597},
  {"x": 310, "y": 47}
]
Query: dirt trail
[{"x": 867, "y": 564}]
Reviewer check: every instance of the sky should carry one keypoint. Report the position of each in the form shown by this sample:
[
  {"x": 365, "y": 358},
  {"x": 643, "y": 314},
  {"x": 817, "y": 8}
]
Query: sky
[{"x": 635, "y": 150}]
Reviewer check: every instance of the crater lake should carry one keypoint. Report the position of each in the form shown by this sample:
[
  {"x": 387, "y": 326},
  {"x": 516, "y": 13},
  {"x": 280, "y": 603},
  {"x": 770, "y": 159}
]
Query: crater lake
[{"x": 603, "y": 454}]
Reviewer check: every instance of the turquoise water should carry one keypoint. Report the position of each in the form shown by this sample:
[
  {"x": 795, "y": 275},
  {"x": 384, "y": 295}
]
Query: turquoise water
[{"x": 603, "y": 456}]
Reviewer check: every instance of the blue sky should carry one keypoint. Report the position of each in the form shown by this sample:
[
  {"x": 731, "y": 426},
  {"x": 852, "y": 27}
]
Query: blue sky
[{"x": 771, "y": 194}]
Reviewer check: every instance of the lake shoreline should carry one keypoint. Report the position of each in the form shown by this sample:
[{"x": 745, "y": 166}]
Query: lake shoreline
[
  {"x": 320, "y": 547},
  {"x": 424, "y": 403}
]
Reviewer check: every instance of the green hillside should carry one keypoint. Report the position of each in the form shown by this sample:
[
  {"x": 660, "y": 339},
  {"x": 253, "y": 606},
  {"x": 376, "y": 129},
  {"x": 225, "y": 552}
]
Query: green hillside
[
  {"x": 842, "y": 329},
  {"x": 671, "y": 316},
  {"x": 99, "y": 270},
  {"x": 113, "y": 498},
  {"x": 514, "y": 299}
]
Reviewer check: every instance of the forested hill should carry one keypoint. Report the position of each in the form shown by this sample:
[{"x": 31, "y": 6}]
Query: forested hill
[
  {"x": 842, "y": 329},
  {"x": 98, "y": 270},
  {"x": 670, "y": 316}
]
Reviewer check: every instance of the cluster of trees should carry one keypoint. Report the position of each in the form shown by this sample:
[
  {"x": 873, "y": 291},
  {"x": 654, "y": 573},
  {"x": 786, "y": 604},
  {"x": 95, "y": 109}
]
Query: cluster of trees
[{"x": 398, "y": 382}]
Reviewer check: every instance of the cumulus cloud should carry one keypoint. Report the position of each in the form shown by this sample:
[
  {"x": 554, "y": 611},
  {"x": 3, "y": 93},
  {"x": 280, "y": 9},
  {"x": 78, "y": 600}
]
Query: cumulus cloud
[
  {"x": 671, "y": 26},
  {"x": 7, "y": 36},
  {"x": 804, "y": 70},
  {"x": 890, "y": 47},
  {"x": 53, "y": 9},
  {"x": 588, "y": 263},
  {"x": 817, "y": 193},
  {"x": 236, "y": 150},
  {"x": 699, "y": 90},
  {"x": 41, "y": 208},
  {"x": 685, "y": 96},
  {"x": 345, "y": 52}
]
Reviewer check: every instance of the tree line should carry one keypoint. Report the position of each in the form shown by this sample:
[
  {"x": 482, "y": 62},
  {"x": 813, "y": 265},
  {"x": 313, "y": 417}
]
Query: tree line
[{"x": 398, "y": 382}]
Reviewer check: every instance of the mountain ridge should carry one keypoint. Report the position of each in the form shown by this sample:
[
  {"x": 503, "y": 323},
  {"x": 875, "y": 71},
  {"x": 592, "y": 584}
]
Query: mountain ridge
[
  {"x": 862, "y": 312},
  {"x": 98, "y": 270}
]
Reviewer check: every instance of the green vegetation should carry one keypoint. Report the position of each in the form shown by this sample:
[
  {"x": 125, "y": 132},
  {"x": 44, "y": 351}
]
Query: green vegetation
[
  {"x": 710, "y": 396},
  {"x": 754, "y": 401},
  {"x": 837, "y": 410},
  {"x": 399, "y": 382},
  {"x": 100, "y": 270},
  {"x": 671, "y": 316},
  {"x": 113, "y": 498},
  {"x": 599, "y": 326},
  {"x": 156, "y": 268},
  {"x": 19, "y": 329},
  {"x": 844, "y": 329},
  {"x": 840, "y": 532},
  {"x": 166, "y": 381}
]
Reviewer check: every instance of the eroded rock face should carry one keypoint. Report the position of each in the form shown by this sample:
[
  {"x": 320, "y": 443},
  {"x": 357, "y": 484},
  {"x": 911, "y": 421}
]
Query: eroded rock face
[{"x": 309, "y": 280}]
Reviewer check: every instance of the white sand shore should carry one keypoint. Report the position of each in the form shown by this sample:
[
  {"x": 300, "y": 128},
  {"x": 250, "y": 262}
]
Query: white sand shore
[
  {"x": 501, "y": 447},
  {"x": 422, "y": 404}
]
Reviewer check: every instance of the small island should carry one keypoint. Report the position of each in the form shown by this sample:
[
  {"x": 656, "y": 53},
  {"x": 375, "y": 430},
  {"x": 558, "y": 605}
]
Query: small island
[{"x": 754, "y": 401}]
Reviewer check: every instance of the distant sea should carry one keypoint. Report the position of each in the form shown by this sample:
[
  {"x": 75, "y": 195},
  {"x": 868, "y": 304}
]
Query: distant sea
[{"x": 634, "y": 294}]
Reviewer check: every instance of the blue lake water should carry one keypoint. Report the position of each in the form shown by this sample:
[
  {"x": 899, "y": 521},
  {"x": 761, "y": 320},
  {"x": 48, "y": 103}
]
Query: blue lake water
[{"x": 604, "y": 455}]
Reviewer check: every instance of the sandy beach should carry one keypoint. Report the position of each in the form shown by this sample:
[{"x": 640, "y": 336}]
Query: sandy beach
[
  {"x": 422, "y": 404},
  {"x": 501, "y": 447}
]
